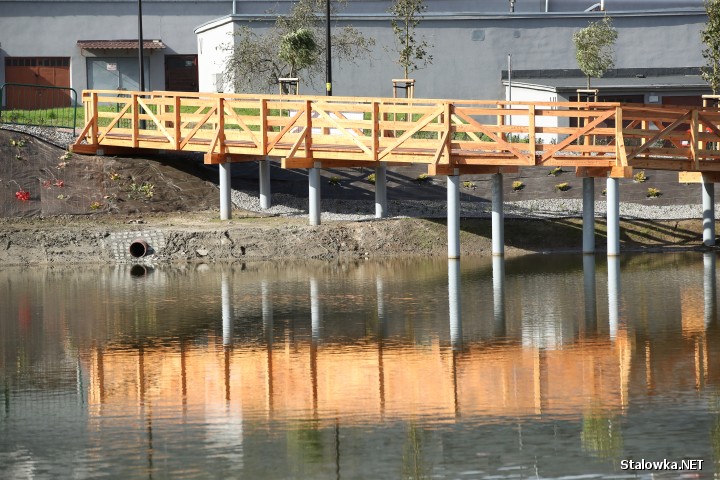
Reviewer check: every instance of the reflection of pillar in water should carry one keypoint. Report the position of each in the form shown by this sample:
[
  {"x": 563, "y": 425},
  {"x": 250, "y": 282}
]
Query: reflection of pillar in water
[
  {"x": 227, "y": 322},
  {"x": 709, "y": 286},
  {"x": 315, "y": 313},
  {"x": 454, "y": 303},
  {"x": 498, "y": 268},
  {"x": 315, "y": 318},
  {"x": 382, "y": 334},
  {"x": 267, "y": 316},
  {"x": 589, "y": 284},
  {"x": 267, "y": 310},
  {"x": 613, "y": 294}
]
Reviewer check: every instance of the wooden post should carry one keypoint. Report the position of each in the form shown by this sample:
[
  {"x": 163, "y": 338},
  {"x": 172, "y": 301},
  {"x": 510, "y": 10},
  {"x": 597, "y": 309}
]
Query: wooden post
[
  {"x": 264, "y": 126},
  {"x": 94, "y": 129},
  {"x": 176, "y": 121},
  {"x": 135, "y": 120}
]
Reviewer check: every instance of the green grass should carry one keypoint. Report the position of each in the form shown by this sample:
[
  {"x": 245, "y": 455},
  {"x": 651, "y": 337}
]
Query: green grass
[{"x": 52, "y": 117}]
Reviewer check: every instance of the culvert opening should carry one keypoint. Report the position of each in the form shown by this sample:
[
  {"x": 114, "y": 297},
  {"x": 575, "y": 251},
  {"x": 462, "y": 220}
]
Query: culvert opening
[{"x": 138, "y": 248}]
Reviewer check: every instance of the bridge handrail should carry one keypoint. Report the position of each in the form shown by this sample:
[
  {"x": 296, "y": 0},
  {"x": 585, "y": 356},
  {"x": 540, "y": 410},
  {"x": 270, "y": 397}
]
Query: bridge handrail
[{"x": 444, "y": 134}]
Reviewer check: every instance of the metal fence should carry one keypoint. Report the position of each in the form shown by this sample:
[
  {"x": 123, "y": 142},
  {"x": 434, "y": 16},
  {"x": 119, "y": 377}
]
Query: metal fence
[{"x": 38, "y": 105}]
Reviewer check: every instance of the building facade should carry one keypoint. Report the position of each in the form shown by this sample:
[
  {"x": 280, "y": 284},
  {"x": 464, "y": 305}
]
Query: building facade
[{"x": 93, "y": 44}]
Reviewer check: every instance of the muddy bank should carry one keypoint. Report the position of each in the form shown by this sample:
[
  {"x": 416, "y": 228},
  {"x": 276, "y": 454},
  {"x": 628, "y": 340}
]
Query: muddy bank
[{"x": 201, "y": 237}]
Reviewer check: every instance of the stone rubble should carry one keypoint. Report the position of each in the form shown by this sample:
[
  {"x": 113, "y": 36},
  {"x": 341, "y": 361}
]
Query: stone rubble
[{"x": 352, "y": 210}]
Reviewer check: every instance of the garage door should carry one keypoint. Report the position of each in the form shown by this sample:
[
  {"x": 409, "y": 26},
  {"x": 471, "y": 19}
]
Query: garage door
[{"x": 45, "y": 71}]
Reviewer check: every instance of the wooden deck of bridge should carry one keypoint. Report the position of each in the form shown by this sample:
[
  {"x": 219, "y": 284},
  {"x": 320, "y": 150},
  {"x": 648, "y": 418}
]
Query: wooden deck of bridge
[{"x": 451, "y": 137}]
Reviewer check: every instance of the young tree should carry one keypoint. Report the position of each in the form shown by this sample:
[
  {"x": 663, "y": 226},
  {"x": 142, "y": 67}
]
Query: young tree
[
  {"x": 412, "y": 51},
  {"x": 298, "y": 49},
  {"x": 710, "y": 37},
  {"x": 293, "y": 46},
  {"x": 595, "y": 48}
]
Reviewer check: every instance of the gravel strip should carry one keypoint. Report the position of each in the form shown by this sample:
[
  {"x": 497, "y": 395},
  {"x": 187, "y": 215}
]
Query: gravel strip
[
  {"x": 59, "y": 137},
  {"x": 353, "y": 210}
]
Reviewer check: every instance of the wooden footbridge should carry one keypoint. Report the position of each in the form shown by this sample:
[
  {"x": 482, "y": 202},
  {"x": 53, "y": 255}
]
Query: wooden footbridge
[{"x": 450, "y": 137}]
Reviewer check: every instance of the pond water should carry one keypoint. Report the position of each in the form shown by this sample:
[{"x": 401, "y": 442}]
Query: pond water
[{"x": 536, "y": 367}]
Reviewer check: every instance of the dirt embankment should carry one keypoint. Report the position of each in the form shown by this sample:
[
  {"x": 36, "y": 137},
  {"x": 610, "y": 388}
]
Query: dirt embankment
[{"x": 200, "y": 237}]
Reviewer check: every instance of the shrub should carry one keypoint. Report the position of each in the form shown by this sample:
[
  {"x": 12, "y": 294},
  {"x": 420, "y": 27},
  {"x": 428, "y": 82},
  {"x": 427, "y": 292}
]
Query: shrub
[
  {"x": 653, "y": 192},
  {"x": 469, "y": 185},
  {"x": 562, "y": 187},
  {"x": 556, "y": 171},
  {"x": 371, "y": 178},
  {"x": 334, "y": 181},
  {"x": 517, "y": 186},
  {"x": 422, "y": 178}
]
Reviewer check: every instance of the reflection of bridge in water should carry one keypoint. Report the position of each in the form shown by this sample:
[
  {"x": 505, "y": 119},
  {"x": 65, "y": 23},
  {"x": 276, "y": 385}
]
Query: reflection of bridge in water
[
  {"x": 368, "y": 380},
  {"x": 451, "y": 137}
]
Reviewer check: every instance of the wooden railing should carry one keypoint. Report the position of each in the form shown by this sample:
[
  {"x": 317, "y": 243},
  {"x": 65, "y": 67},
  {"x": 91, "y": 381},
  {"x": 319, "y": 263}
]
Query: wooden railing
[{"x": 465, "y": 136}]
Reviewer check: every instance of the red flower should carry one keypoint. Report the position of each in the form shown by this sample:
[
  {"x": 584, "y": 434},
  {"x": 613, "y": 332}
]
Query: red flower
[
  {"x": 46, "y": 184},
  {"x": 59, "y": 183},
  {"x": 22, "y": 195}
]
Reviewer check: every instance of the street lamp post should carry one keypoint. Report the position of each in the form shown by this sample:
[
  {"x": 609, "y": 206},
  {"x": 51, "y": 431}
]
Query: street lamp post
[
  {"x": 328, "y": 57},
  {"x": 140, "y": 47}
]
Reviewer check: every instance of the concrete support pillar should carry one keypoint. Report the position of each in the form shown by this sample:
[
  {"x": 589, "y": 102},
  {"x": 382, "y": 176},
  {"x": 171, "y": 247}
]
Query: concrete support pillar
[
  {"x": 225, "y": 195},
  {"x": 380, "y": 191},
  {"x": 708, "y": 204},
  {"x": 453, "y": 215},
  {"x": 588, "y": 215},
  {"x": 314, "y": 197},
  {"x": 613, "y": 216},
  {"x": 498, "y": 216},
  {"x": 264, "y": 175}
]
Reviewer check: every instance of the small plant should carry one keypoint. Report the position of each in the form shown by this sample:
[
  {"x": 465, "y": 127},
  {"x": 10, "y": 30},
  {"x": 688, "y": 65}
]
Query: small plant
[
  {"x": 556, "y": 171},
  {"x": 62, "y": 165},
  {"x": 66, "y": 156},
  {"x": 517, "y": 186},
  {"x": 371, "y": 178},
  {"x": 19, "y": 157},
  {"x": 17, "y": 143},
  {"x": 144, "y": 190},
  {"x": 653, "y": 192},
  {"x": 334, "y": 181},
  {"x": 62, "y": 197},
  {"x": 114, "y": 176},
  {"x": 95, "y": 205},
  {"x": 604, "y": 192},
  {"x": 422, "y": 178},
  {"x": 469, "y": 185},
  {"x": 562, "y": 187},
  {"x": 640, "y": 177}
]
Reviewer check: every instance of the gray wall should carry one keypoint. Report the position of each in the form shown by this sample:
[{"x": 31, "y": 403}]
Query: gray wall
[
  {"x": 470, "y": 51},
  {"x": 470, "y": 48}
]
